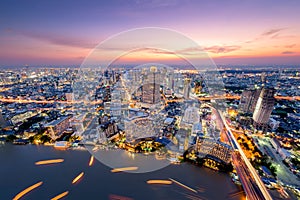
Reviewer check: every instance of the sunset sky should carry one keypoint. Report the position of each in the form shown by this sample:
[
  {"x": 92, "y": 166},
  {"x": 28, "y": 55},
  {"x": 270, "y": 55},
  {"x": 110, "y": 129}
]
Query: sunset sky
[{"x": 63, "y": 32}]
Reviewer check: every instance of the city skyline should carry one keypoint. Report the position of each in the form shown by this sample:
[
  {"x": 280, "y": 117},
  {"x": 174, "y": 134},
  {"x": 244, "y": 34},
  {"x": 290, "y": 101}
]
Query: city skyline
[
  {"x": 232, "y": 32},
  {"x": 119, "y": 97}
]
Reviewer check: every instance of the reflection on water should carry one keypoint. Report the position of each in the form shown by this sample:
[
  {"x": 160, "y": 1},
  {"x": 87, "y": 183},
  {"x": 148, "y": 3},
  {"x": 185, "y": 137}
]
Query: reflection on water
[
  {"x": 19, "y": 171},
  {"x": 118, "y": 158}
]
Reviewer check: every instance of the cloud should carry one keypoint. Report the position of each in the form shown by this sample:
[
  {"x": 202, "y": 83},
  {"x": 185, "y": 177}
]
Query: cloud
[
  {"x": 191, "y": 50},
  {"x": 222, "y": 49},
  {"x": 287, "y": 52},
  {"x": 62, "y": 40},
  {"x": 8, "y": 30},
  {"x": 290, "y": 46},
  {"x": 272, "y": 31},
  {"x": 159, "y": 51},
  {"x": 157, "y": 3}
]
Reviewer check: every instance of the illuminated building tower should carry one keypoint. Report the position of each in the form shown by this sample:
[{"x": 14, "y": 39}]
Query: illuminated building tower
[
  {"x": 263, "y": 79},
  {"x": 214, "y": 150},
  {"x": 248, "y": 100},
  {"x": 254, "y": 98},
  {"x": 187, "y": 88},
  {"x": 191, "y": 115},
  {"x": 264, "y": 107},
  {"x": 151, "y": 93},
  {"x": 177, "y": 83},
  {"x": 56, "y": 127},
  {"x": 3, "y": 122}
]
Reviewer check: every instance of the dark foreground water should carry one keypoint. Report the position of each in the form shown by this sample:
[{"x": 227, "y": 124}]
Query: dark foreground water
[{"x": 18, "y": 171}]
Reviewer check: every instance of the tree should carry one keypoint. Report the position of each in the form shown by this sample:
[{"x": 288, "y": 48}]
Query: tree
[
  {"x": 273, "y": 170},
  {"x": 11, "y": 138},
  {"x": 45, "y": 138}
]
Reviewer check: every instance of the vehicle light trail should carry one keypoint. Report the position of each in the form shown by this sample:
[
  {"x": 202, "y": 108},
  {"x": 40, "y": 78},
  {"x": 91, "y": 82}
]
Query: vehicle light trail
[
  {"x": 77, "y": 178},
  {"x": 164, "y": 182},
  {"x": 91, "y": 161},
  {"x": 60, "y": 195},
  {"x": 124, "y": 169},
  {"x": 10, "y": 100},
  {"x": 248, "y": 169},
  {"x": 46, "y": 162},
  {"x": 22, "y": 193},
  {"x": 182, "y": 185}
]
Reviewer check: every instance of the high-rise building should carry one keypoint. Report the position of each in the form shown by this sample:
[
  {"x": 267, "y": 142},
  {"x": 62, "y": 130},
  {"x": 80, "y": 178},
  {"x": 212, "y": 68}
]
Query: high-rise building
[
  {"x": 56, "y": 127},
  {"x": 263, "y": 79},
  {"x": 248, "y": 100},
  {"x": 264, "y": 107},
  {"x": 187, "y": 88},
  {"x": 3, "y": 122},
  {"x": 216, "y": 149},
  {"x": 151, "y": 87},
  {"x": 191, "y": 115},
  {"x": 151, "y": 93}
]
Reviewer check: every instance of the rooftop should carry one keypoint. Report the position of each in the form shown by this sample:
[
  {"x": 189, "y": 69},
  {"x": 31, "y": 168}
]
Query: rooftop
[{"x": 57, "y": 121}]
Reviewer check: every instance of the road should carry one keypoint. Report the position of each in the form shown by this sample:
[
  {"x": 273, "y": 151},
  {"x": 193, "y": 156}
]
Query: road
[
  {"x": 11, "y": 100},
  {"x": 283, "y": 172},
  {"x": 252, "y": 184}
]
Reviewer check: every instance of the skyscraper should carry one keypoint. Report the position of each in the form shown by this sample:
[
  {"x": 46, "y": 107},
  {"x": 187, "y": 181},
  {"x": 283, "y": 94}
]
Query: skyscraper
[
  {"x": 191, "y": 115},
  {"x": 264, "y": 107},
  {"x": 263, "y": 79},
  {"x": 3, "y": 122},
  {"x": 187, "y": 88},
  {"x": 248, "y": 100},
  {"x": 151, "y": 86}
]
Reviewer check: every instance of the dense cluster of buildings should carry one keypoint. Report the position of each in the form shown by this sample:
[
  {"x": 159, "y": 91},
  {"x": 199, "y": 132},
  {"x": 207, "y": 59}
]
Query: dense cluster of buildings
[
  {"x": 144, "y": 108},
  {"x": 268, "y": 112}
]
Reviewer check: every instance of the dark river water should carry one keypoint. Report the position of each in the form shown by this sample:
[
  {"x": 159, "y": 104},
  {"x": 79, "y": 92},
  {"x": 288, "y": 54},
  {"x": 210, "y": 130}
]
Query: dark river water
[{"x": 18, "y": 171}]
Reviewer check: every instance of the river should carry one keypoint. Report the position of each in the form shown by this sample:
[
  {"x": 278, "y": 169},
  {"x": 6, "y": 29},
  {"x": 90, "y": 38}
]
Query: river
[{"x": 18, "y": 171}]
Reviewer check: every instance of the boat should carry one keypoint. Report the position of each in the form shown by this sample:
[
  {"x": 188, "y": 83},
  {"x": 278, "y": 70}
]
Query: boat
[
  {"x": 27, "y": 190},
  {"x": 164, "y": 182},
  {"x": 60, "y": 195},
  {"x": 62, "y": 145},
  {"x": 46, "y": 162},
  {"x": 77, "y": 178},
  {"x": 122, "y": 169}
]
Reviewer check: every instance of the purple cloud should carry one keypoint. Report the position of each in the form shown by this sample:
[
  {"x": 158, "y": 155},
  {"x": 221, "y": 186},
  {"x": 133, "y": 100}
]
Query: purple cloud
[
  {"x": 287, "y": 52},
  {"x": 222, "y": 49},
  {"x": 290, "y": 46},
  {"x": 59, "y": 39},
  {"x": 272, "y": 31},
  {"x": 157, "y": 3}
]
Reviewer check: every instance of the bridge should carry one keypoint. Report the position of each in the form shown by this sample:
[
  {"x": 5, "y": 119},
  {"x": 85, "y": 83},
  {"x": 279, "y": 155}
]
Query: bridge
[
  {"x": 251, "y": 182},
  {"x": 236, "y": 97}
]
